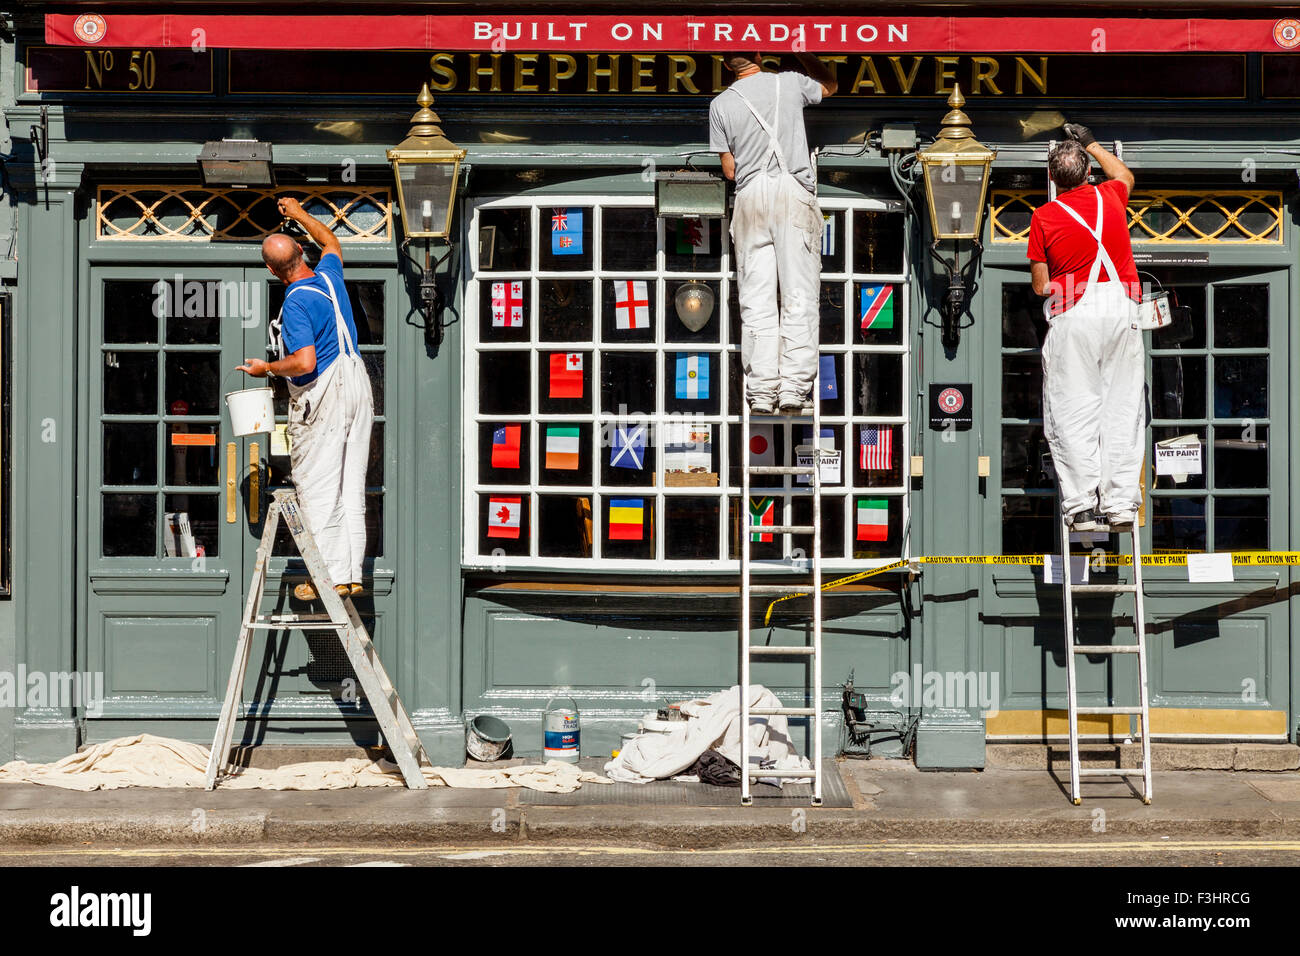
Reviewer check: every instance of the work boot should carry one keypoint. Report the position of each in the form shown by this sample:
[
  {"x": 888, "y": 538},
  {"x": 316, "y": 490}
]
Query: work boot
[
  {"x": 1085, "y": 520},
  {"x": 760, "y": 406},
  {"x": 305, "y": 592},
  {"x": 1122, "y": 521}
]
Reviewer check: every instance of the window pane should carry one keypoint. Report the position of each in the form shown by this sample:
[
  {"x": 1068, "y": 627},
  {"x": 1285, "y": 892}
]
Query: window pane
[
  {"x": 759, "y": 550},
  {"x": 831, "y": 310},
  {"x": 130, "y": 523},
  {"x": 1165, "y": 434},
  {"x": 565, "y": 453},
  {"x": 879, "y": 389},
  {"x": 1241, "y": 457},
  {"x": 833, "y": 241},
  {"x": 693, "y": 245},
  {"x": 1026, "y": 459},
  {"x": 1022, "y": 386},
  {"x": 877, "y": 242},
  {"x": 1188, "y": 328},
  {"x": 1241, "y": 524},
  {"x": 691, "y": 382},
  {"x": 1023, "y": 325},
  {"x": 627, "y": 451},
  {"x": 564, "y": 526},
  {"x": 690, "y": 454},
  {"x": 191, "y": 457},
  {"x": 876, "y": 456},
  {"x": 375, "y": 458},
  {"x": 693, "y": 301},
  {"x": 691, "y": 528},
  {"x": 768, "y": 447},
  {"x": 194, "y": 308},
  {"x": 565, "y": 385},
  {"x": 504, "y": 310},
  {"x": 565, "y": 307},
  {"x": 1240, "y": 387},
  {"x": 564, "y": 239},
  {"x": 367, "y": 299},
  {"x": 1030, "y": 525},
  {"x": 627, "y": 383},
  {"x": 1240, "y": 316},
  {"x": 504, "y": 380},
  {"x": 130, "y": 383},
  {"x": 1178, "y": 524},
  {"x": 503, "y": 453},
  {"x": 1178, "y": 387},
  {"x": 733, "y": 313},
  {"x": 832, "y": 527},
  {"x": 503, "y": 524},
  {"x": 201, "y": 512},
  {"x": 503, "y": 240},
  {"x": 374, "y": 524},
  {"x": 876, "y": 526},
  {"x": 831, "y": 387},
  {"x": 193, "y": 381},
  {"x": 628, "y": 527},
  {"x": 877, "y": 310},
  {"x": 129, "y": 312},
  {"x": 628, "y": 239},
  {"x": 373, "y": 359},
  {"x": 130, "y": 454},
  {"x": 628, "y": 310}
]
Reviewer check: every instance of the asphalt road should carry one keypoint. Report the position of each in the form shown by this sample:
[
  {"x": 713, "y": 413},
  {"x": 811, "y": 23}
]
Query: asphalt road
[{"x": 1100, "y": 852}]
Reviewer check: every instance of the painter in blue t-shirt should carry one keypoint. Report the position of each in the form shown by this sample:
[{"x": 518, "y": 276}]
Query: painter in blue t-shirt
[{"x": 308, "y": 319}]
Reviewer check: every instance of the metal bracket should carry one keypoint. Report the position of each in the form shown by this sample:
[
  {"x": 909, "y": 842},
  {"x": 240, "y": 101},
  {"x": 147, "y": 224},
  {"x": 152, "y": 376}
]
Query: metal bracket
[{"x": 40, "y": 137}]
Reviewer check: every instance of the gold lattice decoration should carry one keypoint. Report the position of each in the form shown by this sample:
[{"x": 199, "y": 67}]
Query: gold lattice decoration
[
  {"x": 212, "y": 214},
  {"x": 1166, "y": 215}
]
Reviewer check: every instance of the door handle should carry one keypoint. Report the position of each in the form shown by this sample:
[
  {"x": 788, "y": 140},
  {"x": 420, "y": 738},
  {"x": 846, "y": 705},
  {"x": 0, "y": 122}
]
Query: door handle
[
  {"x": 232, "y": 484},
  {"x": 254, "y": 480}
]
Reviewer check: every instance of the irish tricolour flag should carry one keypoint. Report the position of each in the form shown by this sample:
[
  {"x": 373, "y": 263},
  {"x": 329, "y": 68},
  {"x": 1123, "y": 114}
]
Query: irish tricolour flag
[
  {"x": 562, "y": 447},
  {"x": 873, "y": 519}
]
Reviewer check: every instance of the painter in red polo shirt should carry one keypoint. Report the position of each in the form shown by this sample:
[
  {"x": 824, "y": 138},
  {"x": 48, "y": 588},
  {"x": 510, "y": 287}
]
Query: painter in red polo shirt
[{"x": 1094, "y": 367}]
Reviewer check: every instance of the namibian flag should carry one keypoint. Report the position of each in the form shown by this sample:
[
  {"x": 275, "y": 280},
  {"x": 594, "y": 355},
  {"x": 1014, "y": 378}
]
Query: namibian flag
[
  {"x": 873, "y": 519},
  {"x": 762, "y": 511},
  {"x": 877, "y": 307},
  {"x": 626, "y": 519}
]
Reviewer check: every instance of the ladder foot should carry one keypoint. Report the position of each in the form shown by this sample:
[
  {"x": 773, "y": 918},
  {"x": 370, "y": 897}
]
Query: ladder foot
[
  {"x": 1147, "y": 801},
  {"x": 746, "y": 801},
  {"x": 817, "y": 801},
  {"x": 1078, "y": 801}
]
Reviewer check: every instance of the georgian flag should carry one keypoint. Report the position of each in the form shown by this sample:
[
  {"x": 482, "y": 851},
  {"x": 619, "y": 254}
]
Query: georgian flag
[{"x": 507, "y": 304}]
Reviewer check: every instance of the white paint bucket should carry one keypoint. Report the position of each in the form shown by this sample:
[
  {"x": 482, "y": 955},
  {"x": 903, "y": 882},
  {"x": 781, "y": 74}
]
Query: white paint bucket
[
  {"x": 251, "y": 411},
  {"x": 560, "y": 731}
]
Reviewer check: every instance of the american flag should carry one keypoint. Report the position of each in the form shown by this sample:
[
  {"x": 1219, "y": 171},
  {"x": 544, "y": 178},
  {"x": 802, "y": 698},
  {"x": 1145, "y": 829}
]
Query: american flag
[{"x": 876, "y": 451}]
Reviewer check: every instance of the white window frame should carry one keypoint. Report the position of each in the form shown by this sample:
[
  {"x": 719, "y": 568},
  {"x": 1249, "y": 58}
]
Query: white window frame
[{"x": 472, "y": 419}]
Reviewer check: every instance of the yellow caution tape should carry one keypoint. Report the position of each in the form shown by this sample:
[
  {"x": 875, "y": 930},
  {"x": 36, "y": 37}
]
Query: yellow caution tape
[{"x": 1097, "y": 561}]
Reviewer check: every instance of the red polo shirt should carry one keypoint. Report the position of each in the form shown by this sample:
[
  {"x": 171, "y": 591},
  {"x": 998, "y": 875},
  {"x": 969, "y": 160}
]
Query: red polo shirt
[{"x": 1068, "y": 249}]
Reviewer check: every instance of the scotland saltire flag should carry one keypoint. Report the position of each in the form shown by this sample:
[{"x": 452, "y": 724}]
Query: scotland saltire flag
[{"x": 628, "y": 448}]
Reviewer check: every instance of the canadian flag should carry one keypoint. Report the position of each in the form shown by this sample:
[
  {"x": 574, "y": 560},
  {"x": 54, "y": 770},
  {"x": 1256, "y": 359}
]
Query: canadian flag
[{"x": 503, "y": 517}]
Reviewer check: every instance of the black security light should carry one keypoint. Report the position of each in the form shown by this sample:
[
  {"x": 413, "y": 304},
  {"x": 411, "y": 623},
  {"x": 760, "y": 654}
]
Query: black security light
[{"x": 237, "y": 162}]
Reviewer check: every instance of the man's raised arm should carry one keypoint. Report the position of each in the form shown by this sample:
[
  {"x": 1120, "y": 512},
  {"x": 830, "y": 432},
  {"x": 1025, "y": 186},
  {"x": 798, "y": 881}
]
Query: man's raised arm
[
  {"x": 320, "y": 235},
  {"x": 820, "y": 72}
]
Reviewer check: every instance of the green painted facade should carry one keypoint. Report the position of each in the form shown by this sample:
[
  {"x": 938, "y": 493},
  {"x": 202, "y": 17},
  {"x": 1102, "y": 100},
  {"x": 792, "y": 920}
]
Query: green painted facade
[{"x": 461, "y": 642}]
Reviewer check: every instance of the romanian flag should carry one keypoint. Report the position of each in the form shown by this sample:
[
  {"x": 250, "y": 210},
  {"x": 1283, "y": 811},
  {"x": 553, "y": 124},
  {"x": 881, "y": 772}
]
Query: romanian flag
[
  {"x": 762, "y": 511},
  {"x": 873, "y": 519},
  {"x": 505, "y": 447},
  {"x": 562, "y": 447},
  {"x": 626, "y": 519}
]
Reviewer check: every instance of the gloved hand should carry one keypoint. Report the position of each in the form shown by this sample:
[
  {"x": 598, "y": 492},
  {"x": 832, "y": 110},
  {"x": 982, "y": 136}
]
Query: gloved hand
[{"x": 1080, "y": 134}]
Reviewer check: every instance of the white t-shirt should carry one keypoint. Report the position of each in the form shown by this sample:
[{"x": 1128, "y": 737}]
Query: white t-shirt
[{"x": 733, "y": 129}]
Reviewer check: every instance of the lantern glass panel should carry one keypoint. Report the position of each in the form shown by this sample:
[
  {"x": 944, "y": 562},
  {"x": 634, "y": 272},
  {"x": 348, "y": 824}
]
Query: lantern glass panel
[
  {"x": 426, "y": 195},
  {"x": 956, "y": 190}
]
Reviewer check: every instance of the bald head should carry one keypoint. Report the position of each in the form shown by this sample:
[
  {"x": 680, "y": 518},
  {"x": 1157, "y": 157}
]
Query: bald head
[{"x": 282, "y": 255}]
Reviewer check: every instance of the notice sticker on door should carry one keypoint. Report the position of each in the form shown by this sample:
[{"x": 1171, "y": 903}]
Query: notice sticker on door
[
  {"x": 1209, "y": 568},
  {"x": 1179, "y": 457},
  {"x": 1052, "y": 569}
]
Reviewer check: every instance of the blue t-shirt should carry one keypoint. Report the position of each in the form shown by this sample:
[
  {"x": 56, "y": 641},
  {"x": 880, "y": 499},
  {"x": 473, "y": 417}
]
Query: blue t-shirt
[{"x": 308, "y": 318}]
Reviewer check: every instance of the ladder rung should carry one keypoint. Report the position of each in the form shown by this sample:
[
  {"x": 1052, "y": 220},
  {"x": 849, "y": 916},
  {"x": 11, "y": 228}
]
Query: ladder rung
[
  {"x": 1108, "y": 710},
  {"x": 781, "y": 589},
  {"x": 810, "y": 772},
  {"x": 782, "y": 528},
  {"x": 281, "y": 625},
  {"x": 290, "y": 618},
  {"x": 782, "y": 712},
  {"x": 763, "y": 650},
  {"x": 1111, "y": 772},
  {"x": 1104, "y": 588},
  {"x": 780, "y": 469},
  {"x": 1106, "y": 648}
]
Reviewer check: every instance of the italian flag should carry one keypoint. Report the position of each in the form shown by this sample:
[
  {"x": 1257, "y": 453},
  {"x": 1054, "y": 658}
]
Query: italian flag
[
  {"x": 562, "y": 448},
  {"x": 873, "y": 519}
]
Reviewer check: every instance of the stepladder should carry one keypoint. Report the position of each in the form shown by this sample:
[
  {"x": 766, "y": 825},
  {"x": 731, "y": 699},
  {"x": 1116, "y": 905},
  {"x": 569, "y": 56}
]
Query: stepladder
[
  {"x": 1113, "y": 652},
  {"x": 339, "y": 616},
  {"x": 755, "y": 530}
]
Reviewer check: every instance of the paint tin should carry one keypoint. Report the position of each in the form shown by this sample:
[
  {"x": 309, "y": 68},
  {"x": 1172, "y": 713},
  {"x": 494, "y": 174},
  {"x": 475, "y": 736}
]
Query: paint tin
[{"x": 561, "y": 733}]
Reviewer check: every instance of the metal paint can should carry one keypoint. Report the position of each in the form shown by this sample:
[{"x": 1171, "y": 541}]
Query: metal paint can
[{"x": 561, "y": 731}]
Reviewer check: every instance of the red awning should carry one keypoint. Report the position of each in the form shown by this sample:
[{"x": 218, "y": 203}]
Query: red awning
[{"x": 643, "y": 33}]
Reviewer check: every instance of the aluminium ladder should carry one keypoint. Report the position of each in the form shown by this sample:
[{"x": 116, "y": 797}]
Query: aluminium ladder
[
  {"x": 340, "y": 617},
  {"x": 749, "y": 590},
  {"x": 1142, "y": 709}
]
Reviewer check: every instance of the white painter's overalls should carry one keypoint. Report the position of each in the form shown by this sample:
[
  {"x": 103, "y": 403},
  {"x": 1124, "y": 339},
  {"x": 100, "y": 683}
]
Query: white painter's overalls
[
  {"x": 1094, "y": 373},
  {"x": 776, "y": 236},
  {"x": 329, "y": 445}
]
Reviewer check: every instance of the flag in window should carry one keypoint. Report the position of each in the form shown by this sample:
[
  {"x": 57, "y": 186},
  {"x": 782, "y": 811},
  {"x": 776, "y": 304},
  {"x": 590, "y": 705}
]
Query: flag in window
[
  {"x": 626, "y": 519},
  {"x": 692, "y": 375},
  {"x": 566, "y": 375},
  {"x": 692, "y": 236},
  {"x": 505, "y": 447},
  {"x": 761, "y": 448},
  {"x": 566, "y": 232},
  {"x": 877, "y": 307},
  {"x": 875, "y": 450},
  {"x": 503, "y": 517},
  {"x": 828, "y": 234},
  {"x": 762, "y": 511},
  {"x": 828, "y": 383},
  {"x": 562, "y": 447},
  {"x": 631, "y": 304},
  {"x": 508, "y": 304},
  {"x": 628, "y": 448},
  {"x": 873, "y": 519}
]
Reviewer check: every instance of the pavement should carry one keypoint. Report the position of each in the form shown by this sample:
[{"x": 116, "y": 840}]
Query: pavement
[{"x": 884, "y": 801}]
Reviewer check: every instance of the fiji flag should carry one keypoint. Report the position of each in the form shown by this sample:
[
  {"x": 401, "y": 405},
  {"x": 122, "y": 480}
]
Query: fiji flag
[
  {"x": 628, "y": 448},
  {"x": 566, "y": 232},
  {"x": 692, "y": 375}
]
